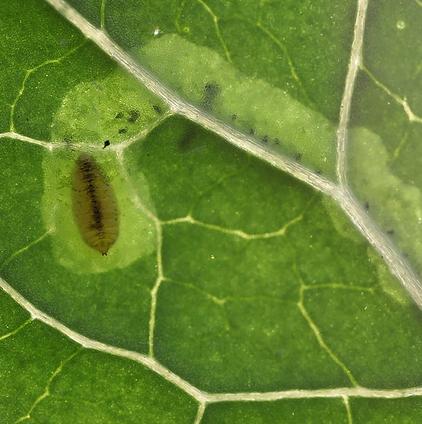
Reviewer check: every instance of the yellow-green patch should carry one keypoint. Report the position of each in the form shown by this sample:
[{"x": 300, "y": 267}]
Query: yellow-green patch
[
  {"x": 341, "y": 222},
  {"x": 250, "y": 104},
  {"x": 389, "y": 284},
  {"x": 137, "y": 237},
  {"x": 115, "y": 108},
  {"x": 397, "y": 206}
]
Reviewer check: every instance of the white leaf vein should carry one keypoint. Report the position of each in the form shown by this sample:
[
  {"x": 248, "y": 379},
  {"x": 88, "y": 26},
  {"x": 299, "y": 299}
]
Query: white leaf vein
[{"x": 199, "y": 395}]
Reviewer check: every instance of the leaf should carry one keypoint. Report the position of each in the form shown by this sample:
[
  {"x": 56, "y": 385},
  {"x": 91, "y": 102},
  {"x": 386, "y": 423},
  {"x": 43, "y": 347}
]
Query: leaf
[{"x": 235, "y": 292}]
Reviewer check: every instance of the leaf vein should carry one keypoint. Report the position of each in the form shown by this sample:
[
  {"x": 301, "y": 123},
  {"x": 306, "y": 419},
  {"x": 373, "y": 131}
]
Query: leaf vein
[
  {"x": 46, "y": 391},
  {"x": 402, "y": 101},
  {"x": 197, "y": 394},
  {"x": 16, "y": 330},
  {"x": 29, "y": 72},
  {"x": 215, "y": 20}
]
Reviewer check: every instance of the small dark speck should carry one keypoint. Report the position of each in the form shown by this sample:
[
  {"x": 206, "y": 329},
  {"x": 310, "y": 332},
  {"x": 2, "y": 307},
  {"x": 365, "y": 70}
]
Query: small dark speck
[
  {"x": 119, "y": 115},
  {"x": 234, "y": 117},
  {"x": 265, "y": 139},
  {"x": 251, "y": 131},
  {"x": 212, "y": 89},
  {"x": 298, "y": 156},
  {"x": 123, "y": 130},
  {"x": 106, "y": 143},
  {"x": 390, "y": 232},
  {"x": 277, "y": 141},
  {"x": 366, "y": 206},
  {"x": 318, "y": 171},
  {"x": 133, "y": 115},
  {"x": 157, "y": 109}
]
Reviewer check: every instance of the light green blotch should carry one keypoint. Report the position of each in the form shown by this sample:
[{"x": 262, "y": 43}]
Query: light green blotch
[
  {"x": 388, "y": 283},
  {"x": 137, "y": 236},
  {"x": 341, "y": 223},
  {"x": 344, "y": 227},
  {"x": 88, "y": 111},
  {"x": 396, "y": 205},
  {"x": 268, "y": 110}
]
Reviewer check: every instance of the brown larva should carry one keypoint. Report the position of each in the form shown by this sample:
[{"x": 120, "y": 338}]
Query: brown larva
[{"x": 94, "y": 205}]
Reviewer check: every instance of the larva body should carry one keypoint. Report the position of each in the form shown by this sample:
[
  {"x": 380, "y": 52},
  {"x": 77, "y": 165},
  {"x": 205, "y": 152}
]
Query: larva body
[{"x": 94, "y": 205}]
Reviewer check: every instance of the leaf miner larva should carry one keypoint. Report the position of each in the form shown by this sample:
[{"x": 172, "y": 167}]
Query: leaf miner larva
[{"x": 94, "y": 205}]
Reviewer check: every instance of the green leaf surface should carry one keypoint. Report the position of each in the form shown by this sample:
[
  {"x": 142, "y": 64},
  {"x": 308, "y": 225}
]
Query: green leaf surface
[{"x": 235, "y": 293}]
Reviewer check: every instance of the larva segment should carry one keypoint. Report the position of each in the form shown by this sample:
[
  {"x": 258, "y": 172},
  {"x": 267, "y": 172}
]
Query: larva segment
[{"x": 94, "y": 205}]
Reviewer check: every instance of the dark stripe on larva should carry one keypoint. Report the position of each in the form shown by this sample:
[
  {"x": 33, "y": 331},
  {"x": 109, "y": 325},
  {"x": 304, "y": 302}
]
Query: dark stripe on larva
[
  {"x": 94, "y": 205},
  {"x": 88, "y": 175}
]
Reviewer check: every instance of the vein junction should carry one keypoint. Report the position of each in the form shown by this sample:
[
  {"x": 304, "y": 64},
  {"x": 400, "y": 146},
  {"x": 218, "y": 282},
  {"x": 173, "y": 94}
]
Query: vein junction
[{"x": 402, "y": 101}]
